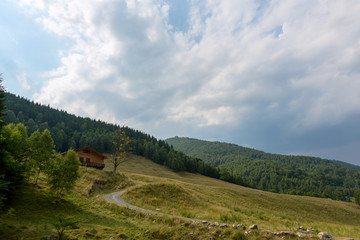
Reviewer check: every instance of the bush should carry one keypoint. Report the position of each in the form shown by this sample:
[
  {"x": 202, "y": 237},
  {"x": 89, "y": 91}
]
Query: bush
[
  {"x": 357, "y": 197},
  {"x": 239, "y": 235}
]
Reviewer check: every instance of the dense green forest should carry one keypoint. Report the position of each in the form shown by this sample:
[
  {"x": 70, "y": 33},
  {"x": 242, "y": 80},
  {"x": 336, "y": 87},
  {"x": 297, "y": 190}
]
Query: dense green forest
[
  {"x": 274, "y": 172},
  {"x": 70, "y": 132}
]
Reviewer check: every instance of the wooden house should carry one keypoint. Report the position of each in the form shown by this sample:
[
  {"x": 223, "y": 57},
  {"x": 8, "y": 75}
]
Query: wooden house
[{"x": 90, "y": 157}]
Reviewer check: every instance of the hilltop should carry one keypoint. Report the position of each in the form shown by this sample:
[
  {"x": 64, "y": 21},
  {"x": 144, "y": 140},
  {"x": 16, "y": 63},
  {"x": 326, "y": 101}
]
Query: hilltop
[{"x": 301, "y": 175}]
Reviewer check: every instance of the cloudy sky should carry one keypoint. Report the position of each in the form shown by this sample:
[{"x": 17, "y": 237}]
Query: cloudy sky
[{"x": 279, "y": 76}]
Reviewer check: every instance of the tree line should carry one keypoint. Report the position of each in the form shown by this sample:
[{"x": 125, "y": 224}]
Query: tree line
[
  {"x": 71, "y": 132},
  {"x": 300, "y": 175}
]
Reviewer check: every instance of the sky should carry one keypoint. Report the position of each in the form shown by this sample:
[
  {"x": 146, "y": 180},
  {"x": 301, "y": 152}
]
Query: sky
[{"x": 278, "y": 76}]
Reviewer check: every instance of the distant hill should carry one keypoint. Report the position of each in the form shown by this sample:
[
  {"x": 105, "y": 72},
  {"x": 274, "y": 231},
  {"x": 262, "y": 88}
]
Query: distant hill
[
  {"x": 348, "y": 165},
  {"x": 274, "y": 172}
]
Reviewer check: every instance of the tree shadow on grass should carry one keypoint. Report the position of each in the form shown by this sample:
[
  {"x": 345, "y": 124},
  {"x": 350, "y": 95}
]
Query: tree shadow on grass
[{"x": 34, "y": 211}]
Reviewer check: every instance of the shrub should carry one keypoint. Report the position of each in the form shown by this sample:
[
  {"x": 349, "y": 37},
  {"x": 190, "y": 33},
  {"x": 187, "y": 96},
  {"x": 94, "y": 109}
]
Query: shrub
[
  {"x": 357, "y": 197},
  {"x": 239, "y": 235}
]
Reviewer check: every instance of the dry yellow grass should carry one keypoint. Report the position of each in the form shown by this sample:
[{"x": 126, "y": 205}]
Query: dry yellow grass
[{"x": 197, "y": 196}]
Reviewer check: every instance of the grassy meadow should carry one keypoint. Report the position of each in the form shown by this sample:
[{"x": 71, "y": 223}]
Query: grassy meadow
[
  {"x": 200, "y": 197},
  {"x": 34, "y": 212}
]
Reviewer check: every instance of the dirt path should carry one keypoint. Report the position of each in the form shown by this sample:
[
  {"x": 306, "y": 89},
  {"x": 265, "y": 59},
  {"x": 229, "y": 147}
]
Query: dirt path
[{"x": 115, "y": 197}]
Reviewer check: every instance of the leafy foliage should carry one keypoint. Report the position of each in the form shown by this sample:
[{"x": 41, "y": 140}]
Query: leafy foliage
[
  {"x": 23, "y": 157},
  {"x": 15, "y": 141},
  {"x": 62, "y": 224},
  {"x": 63, "y": 173},
  {"x": 12, "y": 161},
  {"x": 41, "y": 147},
  {"x": 357, "y": 196},
  {"x": 273, "y": 172}
]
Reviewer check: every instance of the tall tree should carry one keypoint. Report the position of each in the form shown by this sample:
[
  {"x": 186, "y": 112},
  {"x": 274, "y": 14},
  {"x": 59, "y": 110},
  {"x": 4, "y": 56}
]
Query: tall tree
[
  {"x": 2, "y": 102},
  {"x": 3, "y": 183},
  {"x": 15, "y": 141},
  {"x": 41, "y": 150},
  {"x": 13, "y": 153},
  {"x": 121, "y": 144},
  {"x": 62, "y": 173}
]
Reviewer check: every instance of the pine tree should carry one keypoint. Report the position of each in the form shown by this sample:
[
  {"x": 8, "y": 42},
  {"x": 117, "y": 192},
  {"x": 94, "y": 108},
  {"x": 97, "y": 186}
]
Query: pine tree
[{"x": 2, "y": 103}]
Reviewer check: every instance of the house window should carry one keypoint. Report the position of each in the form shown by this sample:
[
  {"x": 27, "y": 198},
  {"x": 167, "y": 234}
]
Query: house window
[
  {"x": 81, "y": 159},
  {"x": 86, "y": 151},
  {"x": 87, "y": 160}
]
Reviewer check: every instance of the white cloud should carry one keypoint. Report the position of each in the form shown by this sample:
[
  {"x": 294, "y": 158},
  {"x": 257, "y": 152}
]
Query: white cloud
[
  {"x": 23, "y": 81},
  {"x": 290, "y": 61}
]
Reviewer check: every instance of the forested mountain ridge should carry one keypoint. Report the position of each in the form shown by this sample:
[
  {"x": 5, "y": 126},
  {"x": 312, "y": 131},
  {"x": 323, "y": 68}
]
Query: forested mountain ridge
[
  {"x": 70, "y": 131},
  {"x": 274, "y": 172},
  {"x": 347, "y": 165}
]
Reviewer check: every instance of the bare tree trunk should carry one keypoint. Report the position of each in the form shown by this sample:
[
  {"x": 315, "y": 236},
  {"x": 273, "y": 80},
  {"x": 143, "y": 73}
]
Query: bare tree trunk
[
  {"x": 115, "y": 164},
  {"x": 37, "y": 177}
]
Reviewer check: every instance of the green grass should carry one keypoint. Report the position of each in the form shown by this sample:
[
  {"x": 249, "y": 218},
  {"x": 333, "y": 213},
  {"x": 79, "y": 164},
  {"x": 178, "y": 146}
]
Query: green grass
[
  {"x": 32, "y": 213},
  {"x": 210, "y": 199},
  {"x": 34, "y": 209}
]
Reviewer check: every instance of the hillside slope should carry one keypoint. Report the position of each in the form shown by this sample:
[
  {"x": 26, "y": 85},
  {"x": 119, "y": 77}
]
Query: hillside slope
[
  {"x": 33, "y": 213},
  {"x": 274, "y": 172},
  {"x": 193, "y": 195}
]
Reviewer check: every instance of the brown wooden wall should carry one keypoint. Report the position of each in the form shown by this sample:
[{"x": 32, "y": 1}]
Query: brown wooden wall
[{"x": 89, "y": 157}]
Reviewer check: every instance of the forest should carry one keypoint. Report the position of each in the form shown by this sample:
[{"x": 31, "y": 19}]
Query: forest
[
  {"x": 71, "y": 132},
  {"x": 300, "y": 175}
]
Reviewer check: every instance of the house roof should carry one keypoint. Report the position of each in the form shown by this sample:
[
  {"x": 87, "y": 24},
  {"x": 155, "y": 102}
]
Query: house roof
[{"x": 90, "y": 149}]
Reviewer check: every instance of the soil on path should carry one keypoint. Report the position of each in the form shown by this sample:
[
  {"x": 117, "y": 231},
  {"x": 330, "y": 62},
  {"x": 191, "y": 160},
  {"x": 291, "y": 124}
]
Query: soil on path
[{"x": 115, "y": 197}]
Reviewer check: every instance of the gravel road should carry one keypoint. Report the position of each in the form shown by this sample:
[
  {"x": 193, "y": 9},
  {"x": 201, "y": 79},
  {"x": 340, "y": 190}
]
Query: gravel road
[{"x": 115, "y": 197}]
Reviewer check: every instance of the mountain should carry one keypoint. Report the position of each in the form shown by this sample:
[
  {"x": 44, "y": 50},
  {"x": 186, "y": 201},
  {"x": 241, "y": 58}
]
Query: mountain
[
  {"x": 299, "y": 175},
  {"x": 348, "y": 165},
  {"x": 70, "y": 131}
]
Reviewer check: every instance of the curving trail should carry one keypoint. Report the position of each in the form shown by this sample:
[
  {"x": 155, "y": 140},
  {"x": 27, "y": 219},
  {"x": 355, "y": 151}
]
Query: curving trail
[{"x": 115, "y": 197}]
